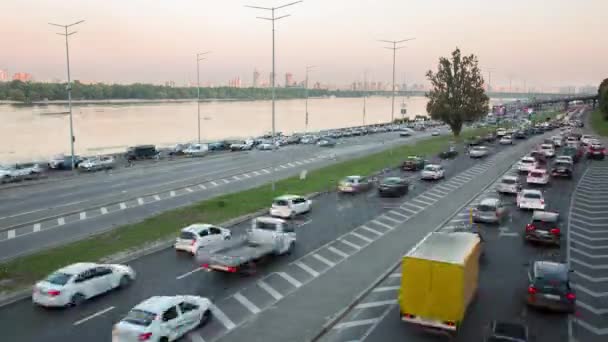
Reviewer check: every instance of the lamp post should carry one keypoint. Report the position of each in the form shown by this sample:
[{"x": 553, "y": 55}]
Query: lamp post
[
  {"x": 198, "y": 91},
  {"x": 66, "y": 34},
  {"x": 273, "y": 19},
  {"x": 394, "y": 48},
  {"x": 308, "y": 68}
]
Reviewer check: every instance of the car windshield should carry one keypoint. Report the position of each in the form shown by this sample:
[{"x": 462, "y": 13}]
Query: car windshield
[
  {"x": 281, "y": 202},
  {"x": 562, "y": 164},
  {"x": 527, "y": 161},
  {"x": 551, "y": 282},
  {"x": 486, "y": 208},
  {"x": 350, "y": 180},
  {"x": 509, "y": 181},
  {"x": 187, "y": 236},
  {"x": 266, "y": 225},
  {"x": 544, "y": 224},
  {"x": 430, "y": 168},
  {"x": 532, "y": 195},
  {"x": 140, "y": 317},
  {"x": 391, "y": 181},
  {"x": 536, "y": 174},
  {"x": 58, "y": 278}
]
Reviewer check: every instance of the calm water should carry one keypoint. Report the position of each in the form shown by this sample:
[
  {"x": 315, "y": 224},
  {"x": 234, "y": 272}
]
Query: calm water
[{"x": 37, "y": 132}]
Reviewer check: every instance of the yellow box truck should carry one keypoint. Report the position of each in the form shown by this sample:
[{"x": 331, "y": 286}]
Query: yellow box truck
[{"x": 439, "y": 279}]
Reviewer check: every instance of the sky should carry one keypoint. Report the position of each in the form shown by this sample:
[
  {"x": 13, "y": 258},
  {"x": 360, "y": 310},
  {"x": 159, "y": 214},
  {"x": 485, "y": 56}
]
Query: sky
[{"x": 540, "y": 42}]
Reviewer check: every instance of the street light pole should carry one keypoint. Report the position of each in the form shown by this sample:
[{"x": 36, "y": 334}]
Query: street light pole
[
  {"x": 394, "y": 48},
  {"x": 273, "y": 19},
  {"x": 69, "y": 85},
  {"x": 308, "y": 68},
  {"x": 198, "y": 91}
]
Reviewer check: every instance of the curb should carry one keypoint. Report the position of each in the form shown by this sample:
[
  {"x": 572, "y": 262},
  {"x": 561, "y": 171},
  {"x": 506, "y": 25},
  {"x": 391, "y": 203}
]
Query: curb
[{"x": 141, "y": 251}]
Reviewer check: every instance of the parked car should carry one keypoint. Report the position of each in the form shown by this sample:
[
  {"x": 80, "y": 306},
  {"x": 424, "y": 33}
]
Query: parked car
[
  {"x": 141, "y": 152},
  {"x": 162, "y": 318},
  {"x": 596, "y": 151},
  {"x": 562, "y": 168},
  {"x": 309, "y": 139},
  {"x": 218, "y": 146},
  {"x": 200, "y": 235},
  {"x": 265, "y": 146},
  {"x": 393, "y": 187},
  {"x": 76, "y": 283},
  {"x": 562, "y": 158},
  {"x": 478, "y": 152},
  {"x": 489, "y": 210},
  {"x": 549, "y": 287},
  {"x": 327, "y": 142},
  {"x": 289, "y": 206},
  {"x": 530, "y": 199},
  {"x": 506, "y": 140},
  {"x": 197, "y": 150},
  {"x": 97, "y": 163},
  {"x": 544, "y": 228},
  {"x": 526, "y": 164},
  {"x": 405, "y": 132},
  {"x": 507, "y": 332},
  {"x": 63, "y": 162},
  {"x": 8, "y": 174},
  {"x": 508, "y": 185},
  {"x": 538, "y": 176},
  {"x": 354, "y": 184},
  {"x": 245, "y": 145},
  {"x": 501, "y": 132},
  {"x": 177, "y": 149},
  {"x": 413, "y": 163},
  {"x": 432, "y": 172}
]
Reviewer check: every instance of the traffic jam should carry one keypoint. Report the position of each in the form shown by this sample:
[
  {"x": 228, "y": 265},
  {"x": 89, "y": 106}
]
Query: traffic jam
[{"x": 525, "y": 213}]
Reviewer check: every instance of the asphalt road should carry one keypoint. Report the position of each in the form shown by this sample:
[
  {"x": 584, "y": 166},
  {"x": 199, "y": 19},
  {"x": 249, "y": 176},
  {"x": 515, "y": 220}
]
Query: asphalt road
[
  {"x": 47, "y": 214},
  {"x": 327, "y": 236}
]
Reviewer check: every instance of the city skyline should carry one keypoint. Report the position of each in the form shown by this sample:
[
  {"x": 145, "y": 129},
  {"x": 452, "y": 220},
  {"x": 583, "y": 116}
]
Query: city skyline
[{"x": 516, "y": 40}]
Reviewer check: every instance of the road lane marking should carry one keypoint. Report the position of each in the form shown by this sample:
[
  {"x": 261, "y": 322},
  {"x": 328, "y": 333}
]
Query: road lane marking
[
  {"x": 202, "y": 186},
  {"x": 431, "y": 199},
  {"x": 462, "y": 178},
  {"x": 123, "y": 206},
  {"x": 271, "y": 291},
  {"x": 371, "y": 194},
  {"x": 443, "y": 187},
  {"x": 221, "y": 316},
  {"x": 283, "y": 167},
  {"x": 588, "y": 255},
  {"x": 590, "y": 308},
  {"x": 578, "y": 242},
  {"x": 291, "y": 165},
  {"x": 83, "y": 215},
  {"x": 307, "y": 268},
  {"x": 426, "y": 204},
  {"x": 140, "y": 201},
  {"x": 10, "y": 234},
  {"x": 156, "y": 198},
  {"x": 213, "y": 183},
  {"x": 411, "y": 205},
  {"x": 225, "y": 181},
  {"x": 236, "y": 178},
  {"x": 594, "y": 267},
  {"x": 348, "y": 243},
  {"x": 395, "y": 212},
  {"x": 246, "y": 175},
  {"x": 266, "y": 171},
  {"x": 189, "y": 273},
  {"x": 364, "y": 227},
  {"x": 323, "y": 260},
  {"x": 103, "y": 210},
  {"x": 257, "y": 173},
  {"x": 588, "y": 237},
  {"x": 195, "y": 337},
  {"x": 376, "y": 304},
  {"x": 246, "y": 303},
  {"x": 358, "y": 323},
  {"x": 37, "y": 227},
  {"x": 304, "y": 223},
  {"x": 386, "y": 288},
  {"x": 61, "y": 221},
  {"x": 436, "y": 193},
  {"x": 298, "y": 163},
  {"x": 293, "y": 281},
  {"x": 395, "y": 275},
  {"x": 390, "y": 218},
  {"x": 364, "y": 238},
  {"x": 338, "y": 252},
  {"x": 172, "y": 193},
  {"x": 413, "y": 212},
  {"x": 98, "y": 313}
]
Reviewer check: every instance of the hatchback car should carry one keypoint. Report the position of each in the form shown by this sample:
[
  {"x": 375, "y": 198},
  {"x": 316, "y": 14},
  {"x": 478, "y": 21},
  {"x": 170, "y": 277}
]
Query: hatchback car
[
  {"x": 489, "y": 210},
  {"x": 557, "y": 141},
  {"x": 289, "y": 206},
  {"x": 163, "y": 319},
  {"x": 562, "y": 168},
  {"x": 526, "y": 164},
  {"x": 548, "y": 150},
  {"x": 544, "y": 228},
  {"x": 413, "y": 163},
  {"x": 478, "y": 152},
  {"x": 508, "y": 185},
  {"x": 596, "y": 151},
  {"x": 549, "y": 287},
  {"x": 354, "y": 184},
  {"x": 393, "y": 187},
  {"x": 74, "y": 284},
  {"x": 538, "y": 176},
  {"x": 506, "y": 140},
  {"x": 432, "y": 172},
  {"x": 530, "y": 199},
  {"x": 507, "y": 332},
  {"x": 200, "y": 235}
]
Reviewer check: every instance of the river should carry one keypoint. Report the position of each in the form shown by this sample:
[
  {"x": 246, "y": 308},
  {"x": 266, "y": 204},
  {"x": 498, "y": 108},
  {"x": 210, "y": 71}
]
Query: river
[{"x": 40, "y": 131}]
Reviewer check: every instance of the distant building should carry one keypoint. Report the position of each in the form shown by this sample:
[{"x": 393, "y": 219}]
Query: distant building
[
  {"x": 588, "y": 89},
  {"x": 256, "y": 78},
  {"x": 235, "y": 82},
  {"x": 3, "y": 75},
  {"x": 288, "y": 79},
  {"x": 22, "y": 76},
  {"x": 567, "y": 90},
  {"x": 170, "y": 84}
]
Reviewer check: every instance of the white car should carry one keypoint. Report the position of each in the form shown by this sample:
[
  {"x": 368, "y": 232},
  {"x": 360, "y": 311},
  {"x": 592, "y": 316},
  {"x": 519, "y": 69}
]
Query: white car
[
  {"x": 501, "y": 132},
  {"x": 288, "y": 206},
  {"x": 72, "y": 285},
  {"x": 557, "y": 141},
  {"x": 197, "y": 150},
  {"x": 530, "y": 199},
  {"x": 508, "y": 185},
  {"x": 162, "y": 318},
  {"x": 538, "y": 176},
  {"x": 97, "y": 163},
  {"x": 548, "y": 150},
  {"x": 8, "y": 174},
  {"x": 585, "y": 139},
  {"x": 435, "y": 133},
  {"x": 200, "y": 235},
  {"x": 526, "y": 164},
  {"x": 478, "y": 152},
  {"x": 566, "y": 159},
  {"x": 265, "y": 146},
  {"x": 506, "y": 140},
  {"x": 432, "y": 171}
]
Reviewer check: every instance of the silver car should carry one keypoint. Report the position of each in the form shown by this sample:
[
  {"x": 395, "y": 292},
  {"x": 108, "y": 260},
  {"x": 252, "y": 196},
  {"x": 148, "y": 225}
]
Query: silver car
[
  {"x": 479, "y": 152},
  {"x": 489, "y": 210}
]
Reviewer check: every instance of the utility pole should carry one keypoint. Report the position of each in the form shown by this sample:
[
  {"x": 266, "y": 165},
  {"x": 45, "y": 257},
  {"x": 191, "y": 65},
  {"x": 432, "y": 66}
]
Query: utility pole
[
  {"x": 198, "y": 91},
  {"x": 364, "y": 95},
  {"x": 67, "y": 34},
  {"x": 308, "y": 68},
  {"x": 394, "y": 48},
  {"x": 273, "y": 19}
]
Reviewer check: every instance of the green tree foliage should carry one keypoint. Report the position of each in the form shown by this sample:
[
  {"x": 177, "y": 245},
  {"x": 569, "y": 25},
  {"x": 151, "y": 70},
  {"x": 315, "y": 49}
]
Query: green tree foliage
[
  {"x": 603, "y": 97},
  {"x": 457, "y": 94}
]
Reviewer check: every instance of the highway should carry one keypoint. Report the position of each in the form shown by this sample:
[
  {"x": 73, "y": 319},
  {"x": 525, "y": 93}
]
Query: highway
[
  {"x": 49, "y": 213},
  {"x": 343, "y": 245}
]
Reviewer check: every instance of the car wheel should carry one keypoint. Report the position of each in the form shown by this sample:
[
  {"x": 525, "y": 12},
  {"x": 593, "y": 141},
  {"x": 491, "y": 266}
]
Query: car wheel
[
  {"x": 163, "y": 339},
  {"x": 292, "y": 247},
  {"x": 292, "y": 215},
  {"x": 125, "y": 281},
  {"x": 205, "y": 317},
  {"x": 77, "y": 299}
]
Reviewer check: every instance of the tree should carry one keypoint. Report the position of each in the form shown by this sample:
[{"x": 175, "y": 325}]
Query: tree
[
  {"x": 602, "y": 93},
  {"x": 457, "y": 93}
]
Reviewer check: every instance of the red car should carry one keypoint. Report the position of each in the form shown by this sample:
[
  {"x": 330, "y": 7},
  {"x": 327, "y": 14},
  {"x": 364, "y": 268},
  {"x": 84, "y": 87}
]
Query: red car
[{"x": 596, "y": 151}]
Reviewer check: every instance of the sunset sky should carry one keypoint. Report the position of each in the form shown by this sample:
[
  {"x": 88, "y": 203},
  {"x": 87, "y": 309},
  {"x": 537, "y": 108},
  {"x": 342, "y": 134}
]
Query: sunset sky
[{"x": 546, "y": 43}]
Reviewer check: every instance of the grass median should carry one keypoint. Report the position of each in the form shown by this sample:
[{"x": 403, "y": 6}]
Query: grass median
[
  {"x": 598, "y": 123},
  {"x": 24, "y": 271}
]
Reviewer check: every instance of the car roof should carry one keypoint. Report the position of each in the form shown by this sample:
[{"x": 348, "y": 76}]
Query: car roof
[
  {"x": 432, "y": 165},
  {"x": 196, "y": 227},
  {"x": 546, "y": 145},
  {"x": 157, "y": 304},
  {"x": 550, "y": 269},
  {"x": 453, "y": 248},
  {"x": 77, "y": 267},
  {"x": 531, "y": 191},
  {"x": 528, "y": 158},
  {"x": 545, "y": 216},
  {"x": 511, "y": 178},
  {"x": 286, "y": 197},
  {"x": 538, "y": 171},
  {"x": 509, "y": 329},
  {"x": 489, "y": 202}
]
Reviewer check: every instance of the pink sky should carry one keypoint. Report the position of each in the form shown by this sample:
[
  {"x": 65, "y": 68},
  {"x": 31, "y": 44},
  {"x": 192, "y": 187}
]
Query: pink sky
[{"x": 546, "y": 43}]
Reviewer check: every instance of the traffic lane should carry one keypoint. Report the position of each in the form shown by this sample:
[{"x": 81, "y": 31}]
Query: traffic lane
[
  {"x": 313, "y": 232},
  {"x": 503, "y": 279}
]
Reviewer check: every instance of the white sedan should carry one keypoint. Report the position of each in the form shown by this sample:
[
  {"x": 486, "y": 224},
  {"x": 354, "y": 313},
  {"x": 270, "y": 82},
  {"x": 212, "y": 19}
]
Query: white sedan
[
  {"x": 197, "y": 150},
  {"x": 526, "y": 164},
  {"x": 433, "y": 171},
  {"x": 163, "y": 318},
  {"x": 548, "y": 150},
  {"x": 200, "y": 235},
  {"x": 98, "y": 163},
  {"x": 288, "y": 206},
  {"x": 530, "y": 199},
  {"x": 72, "y": 285},
  {"x": 538, "y": 176},
  {"x": 506, "y": 140}
]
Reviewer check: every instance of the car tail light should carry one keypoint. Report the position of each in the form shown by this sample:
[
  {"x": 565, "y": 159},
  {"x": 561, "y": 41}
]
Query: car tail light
[
  {"x": 571, "y": 296},
  {"x": 231, "y": 269},
  {"x": 145, "y": 336},
  {"x": 531, "y": 290},
  {"x": 530, "y": 227},
  {"x": 193, "y": 242},
  {"x": 542, "y": 201},
  {"x": 205, "y": 265},
  {"x": 450, "y": 323},
  {"x": 53, "y": 293},
  {"x": 410, "y": 316},
  {"x": 555, "y": 231}
]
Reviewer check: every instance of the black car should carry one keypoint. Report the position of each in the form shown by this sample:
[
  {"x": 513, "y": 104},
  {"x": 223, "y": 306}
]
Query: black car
[
  {"x": 393, "y": 187},
  {"x": 549, "y": 287},
  {"x": 507, "y": 332},
  {"x": 562, "y": 169},
  {"x": 141, "y": 152},
  {"x": 449, "y": 154},
  {"x": 520, "y": 135},
  {"x": 544, "y": 228},
  {"x": 475, "y": 141},
  {"x": 490, "y": 137}
]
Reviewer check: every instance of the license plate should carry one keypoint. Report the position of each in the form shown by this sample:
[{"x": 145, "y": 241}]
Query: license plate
[
  {"x": 551, "y": 296},
  {"x": 542, "y": 233}
]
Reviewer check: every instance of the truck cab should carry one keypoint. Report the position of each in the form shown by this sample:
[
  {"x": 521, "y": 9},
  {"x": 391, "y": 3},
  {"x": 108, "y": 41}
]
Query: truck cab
[{"x": 274, "y": 231}]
